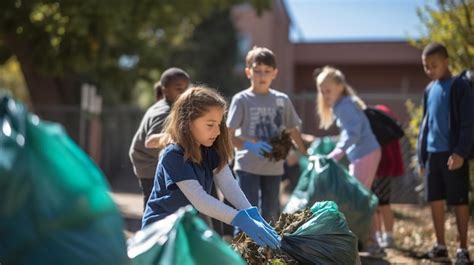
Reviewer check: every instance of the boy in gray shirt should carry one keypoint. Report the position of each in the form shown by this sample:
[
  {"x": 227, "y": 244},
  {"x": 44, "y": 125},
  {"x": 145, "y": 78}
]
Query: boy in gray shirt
[
  {"x": 257, "y": 114},
  {"x": 143, "y": 150}
]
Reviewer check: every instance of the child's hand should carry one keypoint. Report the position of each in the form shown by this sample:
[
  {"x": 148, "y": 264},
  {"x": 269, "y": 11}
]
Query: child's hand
[
  {"x": 421, "y": 171},
  {"x": 254, "y": 214},
  {"x": 153, "y": 140},
  {"x": 255, "y": 230},
  {"x": 455, "y": 161},
  {"x": 258, "y": 148},
  {"x": 337, "y": 154}
]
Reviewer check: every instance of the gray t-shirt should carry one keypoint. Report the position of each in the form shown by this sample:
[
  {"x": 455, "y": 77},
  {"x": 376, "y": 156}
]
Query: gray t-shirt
[
  {"x": 260, "y": 117},
  {"x": 144, "y": 160}
]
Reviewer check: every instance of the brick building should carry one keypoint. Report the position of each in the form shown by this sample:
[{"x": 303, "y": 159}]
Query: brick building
[{"x": 382, "y": 72}]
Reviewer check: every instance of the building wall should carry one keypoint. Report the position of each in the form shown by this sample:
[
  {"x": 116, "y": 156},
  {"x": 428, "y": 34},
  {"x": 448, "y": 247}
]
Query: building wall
[
  {"x": 373, "y": 78},
  {"x": 268, "y": 30},
  {"x": 387, "y": 73}
]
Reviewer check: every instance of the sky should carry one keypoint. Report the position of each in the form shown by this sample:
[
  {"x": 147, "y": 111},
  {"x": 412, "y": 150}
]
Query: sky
[{"x": 354, "y": 20}]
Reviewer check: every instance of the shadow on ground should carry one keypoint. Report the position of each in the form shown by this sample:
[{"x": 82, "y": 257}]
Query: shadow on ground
[{"x": 128, "y": 196}]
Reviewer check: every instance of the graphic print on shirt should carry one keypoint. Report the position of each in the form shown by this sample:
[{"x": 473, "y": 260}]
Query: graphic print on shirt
[{"x": 266, "y": 122}]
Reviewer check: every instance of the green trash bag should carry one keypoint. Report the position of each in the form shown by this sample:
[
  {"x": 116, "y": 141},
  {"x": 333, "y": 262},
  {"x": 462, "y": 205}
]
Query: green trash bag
[
  {"x": 321, "y": 147},
  {"x": 181, "y": 238},
  {"x": 55, "y": 207},
  {"x": 325, "y": 179},
  {"x": 323, "y": 239}
]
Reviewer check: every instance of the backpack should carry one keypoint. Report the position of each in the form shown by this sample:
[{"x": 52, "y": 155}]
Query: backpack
[
  {"x": 468, "y": 77},
  {"x": 384, "y": 127}
]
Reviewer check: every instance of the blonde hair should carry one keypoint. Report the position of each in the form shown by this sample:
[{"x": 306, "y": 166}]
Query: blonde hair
[
  {"x": 191, "y": 105},
  {"x": 325, "y": 112}
]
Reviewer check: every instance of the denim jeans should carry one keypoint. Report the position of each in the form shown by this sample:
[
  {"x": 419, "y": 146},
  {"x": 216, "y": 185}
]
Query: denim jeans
[{"x": 262, "y": 192}]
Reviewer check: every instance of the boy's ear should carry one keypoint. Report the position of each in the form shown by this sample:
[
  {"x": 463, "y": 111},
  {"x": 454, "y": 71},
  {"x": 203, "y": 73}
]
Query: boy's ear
[
  {"x": 275, "y": 73},
  {"x": 248, "y": 72}
]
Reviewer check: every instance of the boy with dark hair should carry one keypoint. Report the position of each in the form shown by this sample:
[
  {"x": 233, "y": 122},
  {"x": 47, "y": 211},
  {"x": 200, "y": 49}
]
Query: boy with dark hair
[
  {"x": 143, "y": 151},
  {"x": 444, "y": 146},
  {"x": 260, "y": 113}
]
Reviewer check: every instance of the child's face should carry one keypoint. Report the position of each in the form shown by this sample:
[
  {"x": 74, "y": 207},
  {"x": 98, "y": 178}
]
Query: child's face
[
  {"x": 206, "y": 128},
  {"x": 436, "y": 66},
  {"x": 330, "y": 91},
  {"x": 261, "y": 75},
  {"x": 174, "y": 89}
]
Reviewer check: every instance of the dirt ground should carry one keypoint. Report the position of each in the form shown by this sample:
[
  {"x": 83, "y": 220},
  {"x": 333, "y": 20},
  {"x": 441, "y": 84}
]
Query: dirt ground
[{"x": 413, "y": 231}]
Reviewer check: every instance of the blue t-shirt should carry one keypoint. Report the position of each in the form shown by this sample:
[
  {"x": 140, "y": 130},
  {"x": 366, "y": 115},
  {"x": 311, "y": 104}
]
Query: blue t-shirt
[
  {"x": 438, "y": 118},
  {"x": 357, "y": 138},
  {"x": 166, "y": 198}
]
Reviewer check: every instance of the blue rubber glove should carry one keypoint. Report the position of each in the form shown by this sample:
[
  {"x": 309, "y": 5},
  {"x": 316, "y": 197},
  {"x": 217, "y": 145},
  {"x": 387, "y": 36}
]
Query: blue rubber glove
[
  {"x": 258, "y": 148},
  {"x": 255, "y": 214},
  {"x": 254, "y": 229}
]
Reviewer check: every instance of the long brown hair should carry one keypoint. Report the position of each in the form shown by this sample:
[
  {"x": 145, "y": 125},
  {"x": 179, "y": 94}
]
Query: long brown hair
[
  {"x": 191, "y": 105},
  {"x": 325, "y": 112}
]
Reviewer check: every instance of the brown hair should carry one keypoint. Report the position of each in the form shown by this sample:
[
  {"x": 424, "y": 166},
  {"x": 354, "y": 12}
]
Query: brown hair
[
  {"x": 260, "y": 55},
  {"x": 324, "y": 111},
  {"x": 191, "y": 105}
]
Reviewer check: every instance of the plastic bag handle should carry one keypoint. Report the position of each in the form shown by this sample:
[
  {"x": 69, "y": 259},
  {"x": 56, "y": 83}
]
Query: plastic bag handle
[{"x": 316, "y": 160}]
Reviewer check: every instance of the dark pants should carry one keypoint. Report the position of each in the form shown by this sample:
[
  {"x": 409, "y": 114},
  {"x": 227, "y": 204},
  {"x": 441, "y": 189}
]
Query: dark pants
[
  {"x": 262, "y": 192},
  {"x": 445, "y": 184},
  {"x": 147, "y": 187}
]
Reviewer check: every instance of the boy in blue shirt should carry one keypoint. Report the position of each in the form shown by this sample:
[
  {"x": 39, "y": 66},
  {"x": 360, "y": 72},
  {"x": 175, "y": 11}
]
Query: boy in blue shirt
[
  {"x": 444, "y": 147},
  {"x": 260, "y": 113}
]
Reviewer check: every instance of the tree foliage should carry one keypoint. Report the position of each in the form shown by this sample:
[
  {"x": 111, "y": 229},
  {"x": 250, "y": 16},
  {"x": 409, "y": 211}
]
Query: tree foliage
[
  {"x": 113, "y": 44},
  {"x": 451, "y": 22}
]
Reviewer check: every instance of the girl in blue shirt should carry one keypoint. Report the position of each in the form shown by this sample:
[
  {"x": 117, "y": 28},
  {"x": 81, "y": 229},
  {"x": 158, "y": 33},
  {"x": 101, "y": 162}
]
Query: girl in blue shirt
[
  {"x": 196, "y": 152},
  {"x": 338, "y": 101}
]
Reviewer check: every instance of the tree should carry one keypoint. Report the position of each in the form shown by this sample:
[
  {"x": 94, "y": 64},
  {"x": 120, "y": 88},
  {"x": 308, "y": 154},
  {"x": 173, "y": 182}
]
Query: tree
[
  {"x": 212, "y": 54},
  {"x": 112, "y": 44},
  {"x": 451, "y": 22}
]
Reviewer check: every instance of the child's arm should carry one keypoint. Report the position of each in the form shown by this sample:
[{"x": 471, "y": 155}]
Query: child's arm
[
  {"x": 231, "y": 189},
  {"x": 296, "y": 136},
  {"x": 236, "y": 141},
  {"x": 214, "y": 208},
  {"x": 206, "y": 203},
  {"x": 308, "y": 138},
  {"x": 234, "y": 194},
  {"x": 153, "y": 140}
]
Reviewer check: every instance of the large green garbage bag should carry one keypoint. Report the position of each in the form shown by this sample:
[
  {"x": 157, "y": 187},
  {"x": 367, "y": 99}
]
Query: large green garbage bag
[
  {"x": 324, "y": 179},
  {"x": 321, "y": 147},
  {"x": 323, "y": 239},
  {"x": 181, "y": 238},
  {"x": 54, "y": 207}
]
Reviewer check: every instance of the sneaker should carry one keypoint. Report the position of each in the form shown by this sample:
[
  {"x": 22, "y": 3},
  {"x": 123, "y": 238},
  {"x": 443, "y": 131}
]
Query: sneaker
[
  {"x": 388, "y": 241},
  {"x": 379, "y": 238},
  {"x": 375, "y": 251},
  {"x": 462, "y": 257},
  {"x": 438, "y": 254}
]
